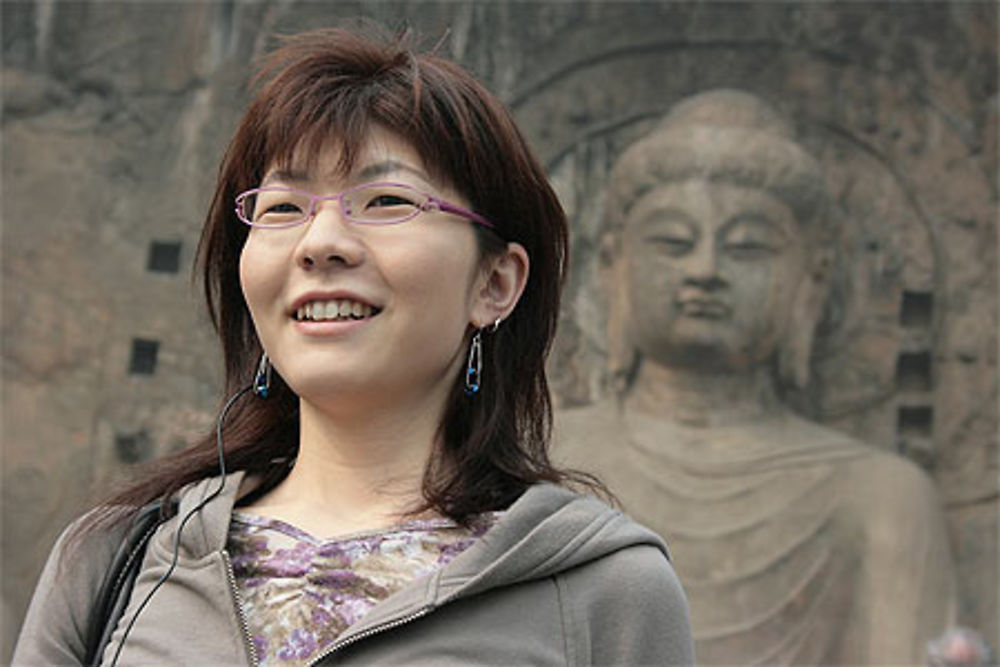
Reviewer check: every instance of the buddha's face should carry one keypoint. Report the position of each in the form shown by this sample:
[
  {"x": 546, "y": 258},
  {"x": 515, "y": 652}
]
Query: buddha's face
[{"x": 711, "y": 271}]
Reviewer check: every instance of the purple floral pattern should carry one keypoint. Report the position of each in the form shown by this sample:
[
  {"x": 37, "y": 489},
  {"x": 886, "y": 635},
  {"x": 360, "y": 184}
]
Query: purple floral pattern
[{"x": 300, "y": 593}]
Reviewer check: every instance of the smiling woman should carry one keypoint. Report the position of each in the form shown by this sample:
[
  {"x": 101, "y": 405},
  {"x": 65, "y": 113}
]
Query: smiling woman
[
  {"x": 424, "y": 281},
  {"x": 382, "y": 260}
]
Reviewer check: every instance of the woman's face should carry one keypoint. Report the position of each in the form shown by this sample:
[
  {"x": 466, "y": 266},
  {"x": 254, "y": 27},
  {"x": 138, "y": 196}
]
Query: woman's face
[
  {"x": 712, "y": 270},
  {"x": 407, "y": 291}
]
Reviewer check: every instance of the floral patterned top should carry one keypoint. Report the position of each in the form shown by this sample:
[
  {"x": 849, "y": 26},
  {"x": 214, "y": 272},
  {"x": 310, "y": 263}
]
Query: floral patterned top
[{"x": 299, "y": 593}]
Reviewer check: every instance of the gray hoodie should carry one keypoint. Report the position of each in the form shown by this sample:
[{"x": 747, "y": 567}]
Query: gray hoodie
[{"x": 561, "y": 579}]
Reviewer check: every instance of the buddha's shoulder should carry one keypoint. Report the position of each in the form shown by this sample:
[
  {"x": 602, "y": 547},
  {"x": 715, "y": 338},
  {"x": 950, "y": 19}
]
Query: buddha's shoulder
[
  {"x": 583, "y": 430},
  {"x": 868, "y": 455},
  {"x": 602, "y": 413},
  {"x": 868, "y": 459},
  {"x": 884, "y": 481}
]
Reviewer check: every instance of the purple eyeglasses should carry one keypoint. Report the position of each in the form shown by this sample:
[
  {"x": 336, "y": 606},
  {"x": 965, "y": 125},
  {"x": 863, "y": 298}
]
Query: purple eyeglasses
[{"x": 277, "y": 207}]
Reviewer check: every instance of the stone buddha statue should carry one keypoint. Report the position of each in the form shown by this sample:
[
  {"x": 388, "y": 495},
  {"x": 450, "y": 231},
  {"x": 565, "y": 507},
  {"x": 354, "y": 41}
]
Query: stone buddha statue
[{"x": 796, "y": 544}]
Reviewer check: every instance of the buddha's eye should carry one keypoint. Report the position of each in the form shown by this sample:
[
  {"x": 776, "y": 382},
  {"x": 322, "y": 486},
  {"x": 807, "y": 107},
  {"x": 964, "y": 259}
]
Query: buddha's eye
[
  {"x": 671, "y": 235},
  {"x": 675, "y": 246},
  {"x": 749, "y": 250},
  {"x": 753, "y": 238}
]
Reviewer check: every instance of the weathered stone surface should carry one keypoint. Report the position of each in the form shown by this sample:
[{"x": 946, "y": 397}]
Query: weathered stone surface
[
  {"x": 975, "y": 538},
  {"x": 115, "y": 115},
  {"x": 895, "y": 120},
  {"x": 797, "y": 545}
]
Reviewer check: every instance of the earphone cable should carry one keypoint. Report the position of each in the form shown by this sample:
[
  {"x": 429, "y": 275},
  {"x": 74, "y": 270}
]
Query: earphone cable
[{"x": 177, "y": 538}]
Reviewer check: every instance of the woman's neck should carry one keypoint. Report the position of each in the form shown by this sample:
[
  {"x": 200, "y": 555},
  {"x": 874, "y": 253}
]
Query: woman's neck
[
  {"x": 354, "y": 474},
  {"x": 699, "y": 398}
]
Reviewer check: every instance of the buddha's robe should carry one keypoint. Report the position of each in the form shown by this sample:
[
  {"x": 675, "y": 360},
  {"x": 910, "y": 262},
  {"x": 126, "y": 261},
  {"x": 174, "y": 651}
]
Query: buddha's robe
[{"x": 795, "y": 544}]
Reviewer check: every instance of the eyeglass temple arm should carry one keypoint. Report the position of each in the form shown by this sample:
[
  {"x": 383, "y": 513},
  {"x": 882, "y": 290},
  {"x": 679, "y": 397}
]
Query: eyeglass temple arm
[{"x": 458, "y": 210}]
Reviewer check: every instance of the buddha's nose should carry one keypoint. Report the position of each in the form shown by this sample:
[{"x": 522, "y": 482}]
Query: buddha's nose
[{"x": 703, "y": 266}]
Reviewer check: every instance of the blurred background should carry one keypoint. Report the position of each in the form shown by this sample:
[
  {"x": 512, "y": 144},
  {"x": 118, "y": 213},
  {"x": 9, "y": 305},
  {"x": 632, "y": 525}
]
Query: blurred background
[{"x": 116, "y": 114}]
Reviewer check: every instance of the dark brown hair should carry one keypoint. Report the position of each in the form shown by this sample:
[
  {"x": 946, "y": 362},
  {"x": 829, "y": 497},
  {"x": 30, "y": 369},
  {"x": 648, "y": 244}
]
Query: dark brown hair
[{"x": 338, "y": 84}]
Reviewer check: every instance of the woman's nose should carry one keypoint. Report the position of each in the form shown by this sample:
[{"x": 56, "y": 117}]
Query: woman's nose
[{"x": 329, "y": 239}]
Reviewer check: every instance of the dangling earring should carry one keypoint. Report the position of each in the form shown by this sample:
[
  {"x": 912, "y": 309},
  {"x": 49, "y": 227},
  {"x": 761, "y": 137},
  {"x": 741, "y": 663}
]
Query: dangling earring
[
  {"x": 474, "y": 367},
  {"x": 262, "y": 380}
]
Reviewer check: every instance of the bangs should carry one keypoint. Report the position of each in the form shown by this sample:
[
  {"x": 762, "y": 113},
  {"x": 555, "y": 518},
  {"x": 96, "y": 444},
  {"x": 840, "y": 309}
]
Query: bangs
[
  {"x": 320, "y": 90},
  {"x": 295, "y": 130}
]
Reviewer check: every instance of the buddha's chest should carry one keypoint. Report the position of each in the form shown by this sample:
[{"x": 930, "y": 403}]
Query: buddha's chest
[{"x": 765, "y": 557}]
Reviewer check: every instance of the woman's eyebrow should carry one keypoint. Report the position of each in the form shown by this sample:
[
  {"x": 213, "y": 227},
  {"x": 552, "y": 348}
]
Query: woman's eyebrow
[
  {"x": 286, "y": 176},
  {"x": 387, "y": 167},
  {"x": 376, "y": 170}
]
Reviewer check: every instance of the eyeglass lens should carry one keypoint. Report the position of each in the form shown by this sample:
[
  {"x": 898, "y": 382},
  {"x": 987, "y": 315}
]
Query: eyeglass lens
[{"x": 375, "y": 203}]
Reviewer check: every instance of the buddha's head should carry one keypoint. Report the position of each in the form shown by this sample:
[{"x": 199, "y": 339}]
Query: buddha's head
[{"x": 719, "y": 231}]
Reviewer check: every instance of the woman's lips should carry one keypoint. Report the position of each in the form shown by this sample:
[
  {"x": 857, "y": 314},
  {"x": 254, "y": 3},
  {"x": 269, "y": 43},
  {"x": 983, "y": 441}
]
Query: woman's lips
[
  {"x": 334, "y": 310},
  {"x": 335, "y": 327}
]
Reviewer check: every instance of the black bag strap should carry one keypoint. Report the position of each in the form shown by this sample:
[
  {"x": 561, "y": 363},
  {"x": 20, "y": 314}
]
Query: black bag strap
[{"x": 116, "y": 588}]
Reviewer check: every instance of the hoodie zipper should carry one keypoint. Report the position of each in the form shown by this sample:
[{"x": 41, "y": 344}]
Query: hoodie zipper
[
  {"x": 238, "y": 604},
  {"x": 388, "y": 625}
]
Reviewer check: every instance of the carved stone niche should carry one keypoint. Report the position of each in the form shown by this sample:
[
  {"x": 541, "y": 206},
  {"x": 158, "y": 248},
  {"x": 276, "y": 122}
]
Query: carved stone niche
[
  {"x": 726, "y": 260},
  {"x": 905, "y": 353}
]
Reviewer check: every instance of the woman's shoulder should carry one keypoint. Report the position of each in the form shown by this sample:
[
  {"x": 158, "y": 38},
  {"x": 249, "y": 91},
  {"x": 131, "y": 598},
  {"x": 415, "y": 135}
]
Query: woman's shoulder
[
  {"x": 641, "y": 570},
  {"x": 58, "y": 618},
  {"x": 614, "y": 554},
  {"x": 597, "y": 540},
  {"x": 631, "y": 607},
  {"x": 94, "y": 535}
]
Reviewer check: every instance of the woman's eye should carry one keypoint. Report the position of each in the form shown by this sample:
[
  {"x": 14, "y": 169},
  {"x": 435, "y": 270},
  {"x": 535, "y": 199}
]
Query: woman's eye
[
  {"x": 283, "y": 207},
  {"x": 390, "y": 200},
  {"x": 270, "y": 211}
]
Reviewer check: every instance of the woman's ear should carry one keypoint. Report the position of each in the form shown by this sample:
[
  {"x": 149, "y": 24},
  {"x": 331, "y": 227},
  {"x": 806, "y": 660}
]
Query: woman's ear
[{"x": 500, "y": 285}]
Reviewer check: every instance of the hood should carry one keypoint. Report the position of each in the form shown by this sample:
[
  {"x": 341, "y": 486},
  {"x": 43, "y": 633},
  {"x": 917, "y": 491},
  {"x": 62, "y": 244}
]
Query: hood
[
  {"x": 207, "y": 530},
  {"x": 548, "y": 530}
]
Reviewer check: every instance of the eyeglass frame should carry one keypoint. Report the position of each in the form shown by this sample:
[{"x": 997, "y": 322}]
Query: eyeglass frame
[{"x": 433, "y": 203}]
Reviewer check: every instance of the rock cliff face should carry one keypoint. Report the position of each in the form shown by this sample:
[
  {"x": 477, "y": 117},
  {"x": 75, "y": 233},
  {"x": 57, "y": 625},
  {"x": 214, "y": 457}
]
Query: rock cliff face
[{"x": 115, "y": 115}]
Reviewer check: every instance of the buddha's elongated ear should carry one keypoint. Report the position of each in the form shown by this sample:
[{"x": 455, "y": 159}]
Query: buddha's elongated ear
[
  {"x": 622, "y": 354},
  {"x": 795, "y": 354}
]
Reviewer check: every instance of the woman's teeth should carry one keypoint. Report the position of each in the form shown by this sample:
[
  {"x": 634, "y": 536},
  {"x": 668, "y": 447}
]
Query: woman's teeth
[{"x": 338, "y": 309}]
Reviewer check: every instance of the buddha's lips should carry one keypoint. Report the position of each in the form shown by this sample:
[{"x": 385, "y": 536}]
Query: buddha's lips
[{"x": 704, "y": 308}]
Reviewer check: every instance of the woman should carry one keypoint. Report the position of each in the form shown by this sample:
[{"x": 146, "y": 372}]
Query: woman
[{"x": 382, "y": 260}]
